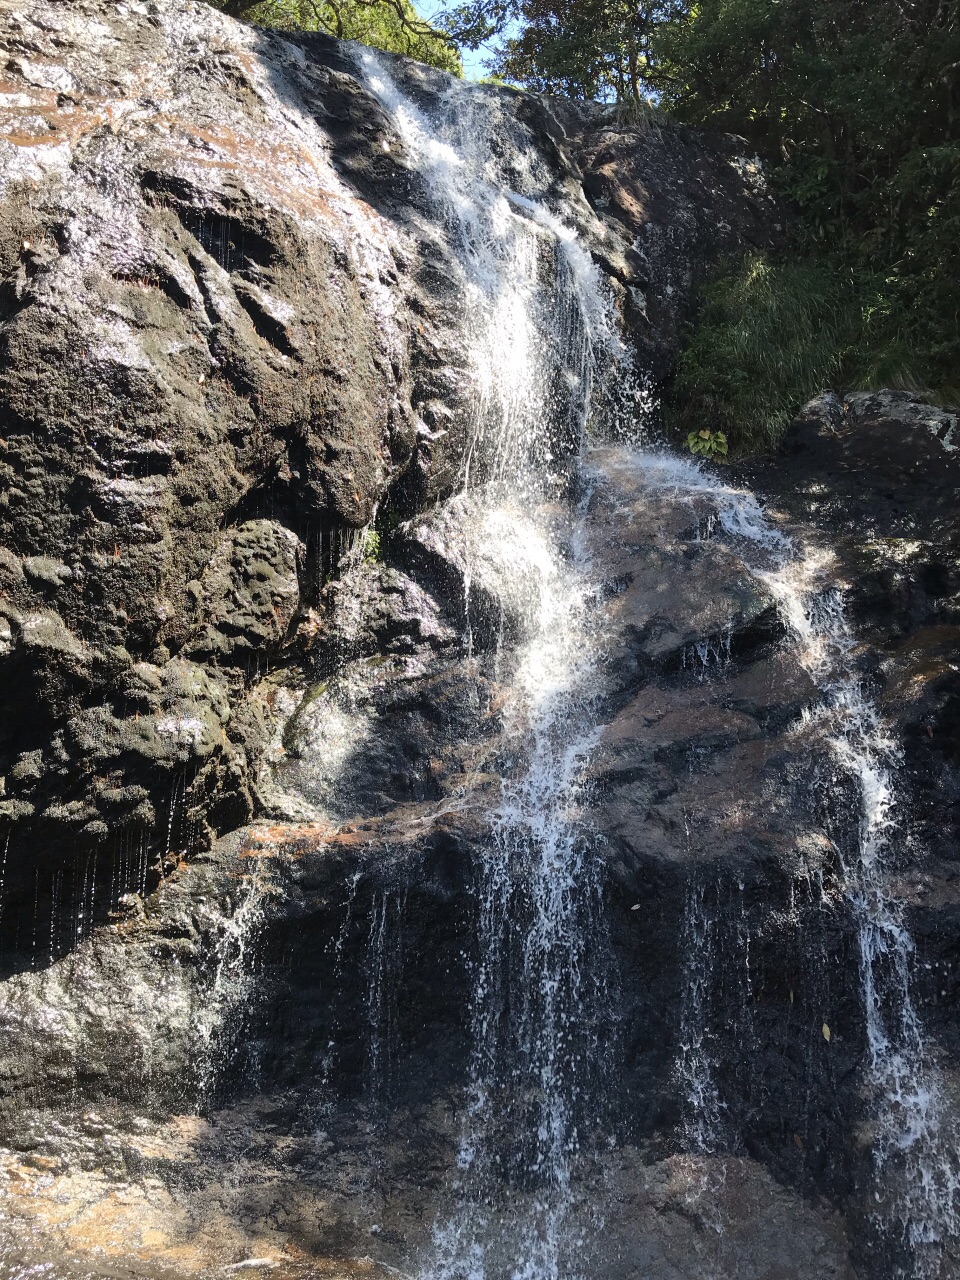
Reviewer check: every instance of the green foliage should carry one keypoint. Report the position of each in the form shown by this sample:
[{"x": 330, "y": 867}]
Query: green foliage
[
  {"x": 586, "y": 48},
  {"x": 766, "y": 337},
  {"x": 855, "y": 105},
  {"x": 393, "y": 25},
  {"x": 372, "y": 547},
  {"x": 770, "y": 334},
  {"x": 474, "y": 22},
  {"x": 711, "y": 445}
]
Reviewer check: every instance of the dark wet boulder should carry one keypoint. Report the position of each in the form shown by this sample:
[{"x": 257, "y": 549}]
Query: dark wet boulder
[{"x": 247, "y": 595}]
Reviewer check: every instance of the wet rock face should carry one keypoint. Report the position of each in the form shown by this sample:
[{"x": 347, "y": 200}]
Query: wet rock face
[
  {"x": 247, "y": 595},
  {"x": 324, "y": 1036},
  {"x": 700, "y": 203},
  {"x": 876, "y": 473},
  {"x": 874, "y": 476},
  {"x": 204, "y": 386},
  {"x": 228, "y": 336},
  {"x": 237, "y": 596}
]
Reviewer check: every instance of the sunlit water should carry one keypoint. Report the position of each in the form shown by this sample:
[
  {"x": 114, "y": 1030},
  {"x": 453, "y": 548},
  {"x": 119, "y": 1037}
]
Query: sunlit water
[
  {"x": 540, "y": 327},
  {"x": 545, "y": 365},
  {"x": 915, "y": 1149},
  {"x": 535, "y": 338}
]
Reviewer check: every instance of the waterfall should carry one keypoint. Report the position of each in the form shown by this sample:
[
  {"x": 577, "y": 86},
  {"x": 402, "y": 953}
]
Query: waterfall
[
  {"x": 916, "y": 1166},
  {"x": 703, "y": 1110},
  {"x": 540, "y": 330},
  {"x": 229, "y": 982},
  {"x": 537, "y": 318}
]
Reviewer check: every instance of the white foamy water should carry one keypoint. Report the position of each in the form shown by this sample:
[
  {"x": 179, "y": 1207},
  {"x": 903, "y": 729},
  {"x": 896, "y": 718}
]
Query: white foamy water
[
  {"x": 534, "y": 1010},
  {"x": 536, "y": 313},
  {"x": 537, "y": 321},
  {"x": 916, "y": 1158},
  {"x": 229, "y": 981}
]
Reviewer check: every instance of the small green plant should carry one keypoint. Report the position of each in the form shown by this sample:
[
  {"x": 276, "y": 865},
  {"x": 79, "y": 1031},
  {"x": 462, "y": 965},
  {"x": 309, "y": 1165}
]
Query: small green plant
[
  {"x": 372, "y": 547},
  {"x": 711, "y": 445}
]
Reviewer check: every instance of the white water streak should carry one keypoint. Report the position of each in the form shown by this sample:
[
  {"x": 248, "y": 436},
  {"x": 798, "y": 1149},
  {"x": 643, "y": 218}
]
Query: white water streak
[
  {"x": 916, "y": 1161},
  {"x": 229, "y": 981},
  {"x": 533, "y": 342},
  {"x": 703, "y": 1113},
  {"x": 536, "y": 320}
]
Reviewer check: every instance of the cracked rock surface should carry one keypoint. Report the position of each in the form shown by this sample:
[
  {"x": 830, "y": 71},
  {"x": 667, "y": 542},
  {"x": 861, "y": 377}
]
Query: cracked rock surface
[{"x": 228, "y": 339}]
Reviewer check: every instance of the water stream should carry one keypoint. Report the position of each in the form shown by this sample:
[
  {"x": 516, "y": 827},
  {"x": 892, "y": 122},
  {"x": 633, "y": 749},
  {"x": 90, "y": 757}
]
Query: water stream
[
  {"x": 915, "y": 1151},
  {"x": 543, "y": 353},
  {"x": 539, "y": 322}
]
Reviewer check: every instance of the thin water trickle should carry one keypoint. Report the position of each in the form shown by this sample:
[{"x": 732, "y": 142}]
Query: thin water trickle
[
  {"x": 916, "y": 1161},
  {"x": 329, "y": 1056},
  {"x": 3, "y": 874},
  {"x": 708, "y": 658},
  {"x": 378, "y": 1003},
  {"x": 230, "y": 979},
  {"x": 700, "y": 1096}
]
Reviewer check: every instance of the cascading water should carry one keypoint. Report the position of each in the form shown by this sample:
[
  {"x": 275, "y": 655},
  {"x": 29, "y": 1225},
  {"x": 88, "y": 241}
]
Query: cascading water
[
  {"x": 414, "y": 762},
  {"x": 703, "y": 1111},
  {"x": 534, "y": 339},
  {"x": 537, "y": 318},
  {"x": 229, "y": 983},
  {"x": 917, "y": 1171},
  {"x": 534, "y": 1002}
]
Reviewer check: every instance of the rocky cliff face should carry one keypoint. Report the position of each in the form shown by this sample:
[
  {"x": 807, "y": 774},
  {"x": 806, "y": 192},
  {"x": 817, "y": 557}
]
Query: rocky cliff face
[
  {"x": 257, "y": 654},
  {"x": 230, "y": 342},
  {"x": 310, "y": 977}
]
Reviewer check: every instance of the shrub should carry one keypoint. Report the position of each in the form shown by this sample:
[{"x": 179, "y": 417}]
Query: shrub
[{"x": 769, "y": 335}]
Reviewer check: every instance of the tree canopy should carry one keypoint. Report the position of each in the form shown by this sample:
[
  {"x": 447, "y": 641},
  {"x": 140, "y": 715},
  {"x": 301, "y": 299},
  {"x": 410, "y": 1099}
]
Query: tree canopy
[
  {"x": 393, "y": 25},
  {"x": 855, "y": 107},
  {"x": 587, "y": 48}
]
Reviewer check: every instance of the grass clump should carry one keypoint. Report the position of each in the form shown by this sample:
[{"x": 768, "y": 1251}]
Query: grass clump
[
  {"x": 372, "y": 547},
  {"x": 765, "y": 335}
]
